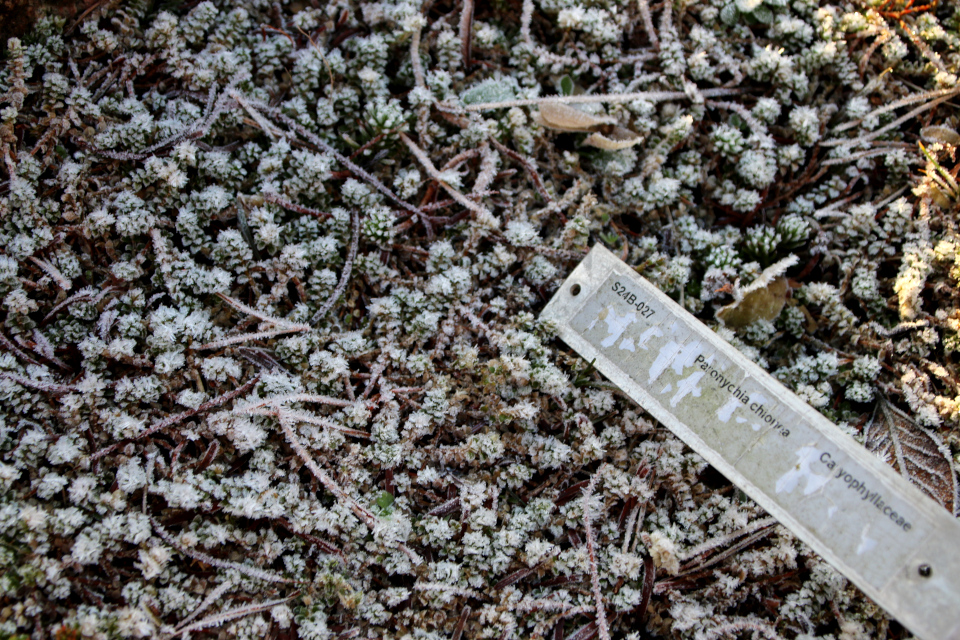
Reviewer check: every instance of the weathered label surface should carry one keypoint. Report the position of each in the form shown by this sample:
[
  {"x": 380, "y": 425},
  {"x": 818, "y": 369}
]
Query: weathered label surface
[{"x": 886, "y": 536}]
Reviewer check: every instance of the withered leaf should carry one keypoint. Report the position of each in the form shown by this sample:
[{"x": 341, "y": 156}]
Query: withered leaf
[
  {"x": 762, "y": 303},
  {"x": 619, "y": 138},
  {"x": 762, "y": 299},
  {"x": 558, "y": 116},
  {"x": 917, "y": 453},
  {"x": 940, "y": 133}
]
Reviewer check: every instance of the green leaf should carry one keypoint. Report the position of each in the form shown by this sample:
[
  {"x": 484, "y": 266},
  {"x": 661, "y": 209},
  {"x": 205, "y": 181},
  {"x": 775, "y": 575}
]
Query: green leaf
[
  {"x": 583, "y": 377},
  {"x": 384, "y": 500},
  {"x": 729, "y": 15},
  {"x": 763, "y": 15},
  {"x": 566, "y": 85},
  {"x": 611, "y": 238}
]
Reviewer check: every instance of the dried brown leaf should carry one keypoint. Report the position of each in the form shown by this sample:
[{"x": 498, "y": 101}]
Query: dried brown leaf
[
  {"x": 762, "y": 299},
  {"x": 917, "y": 453},
  {"x": 558, "y": 116},
  {"x": 764, "y": 303},
  {"x": 619, "y": 138},
  {"x": 940, "y": 133}
]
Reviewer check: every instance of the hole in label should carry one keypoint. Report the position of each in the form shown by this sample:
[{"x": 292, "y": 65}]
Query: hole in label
[
  {"x": 925, "y": 570},
  {"x": 575, "y": 290}
]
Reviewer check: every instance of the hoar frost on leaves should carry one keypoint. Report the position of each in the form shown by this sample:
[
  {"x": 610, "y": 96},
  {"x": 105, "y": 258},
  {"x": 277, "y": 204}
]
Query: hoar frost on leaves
[{"x": 269, "y": 277}]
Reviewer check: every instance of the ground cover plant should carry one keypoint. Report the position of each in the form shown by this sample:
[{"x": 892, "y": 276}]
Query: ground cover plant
[{"x": 270, "y": 363}]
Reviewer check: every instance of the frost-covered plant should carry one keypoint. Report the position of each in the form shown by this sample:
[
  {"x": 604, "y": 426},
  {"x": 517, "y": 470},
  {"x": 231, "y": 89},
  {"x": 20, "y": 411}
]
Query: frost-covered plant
[{"x": 269, "y": 276}]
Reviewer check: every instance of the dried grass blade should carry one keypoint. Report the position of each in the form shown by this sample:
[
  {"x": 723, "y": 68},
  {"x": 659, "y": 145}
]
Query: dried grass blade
[
  {"x": 605, "y": 98},
  {"x": 23, "y": 355},
  {"x": 649, "y": 578},
  {"x": 644, "y": 7},
  {"x": 180, "y": 417},
  {"x": 466, "y": 34},
  {"x": 836, "y": 142},
  {"x": 720, "y": 541},
  {"x": 53, "y": 272},
  {"x": 250, "y": 311},
  {"x": 527, "y": 166},
  {"x": 296, "y": 397},
  {"x": 212, "y": 597},
  {"x": 460, "y": 591},
  {"x": 346, "y": 162},
  {"x": 48, "y": 387},
  {"x": 482, "y": 213},
  {"x": 246, "y": 337},
  {"x": 345, "y": 275},
  {"x": 461, "y": 623},
  {"x": 232, "y": 614},
  {"x": 720, "y": 557},
  {"x": 896, "y": 104},
  {"x": 320, "y": 421},
  {"x": 447, "y": 507},
  {"x": 513, "y": 578},
  {"x": 601, "y": 620},
  {"x": 293, "y": 206},
  {"x": 80, "y": 296},
  {"x": 327, "y": 547},
  {"x": 585, "y": 632}
]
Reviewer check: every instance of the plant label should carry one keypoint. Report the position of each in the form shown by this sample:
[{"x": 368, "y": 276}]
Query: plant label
[{"x": 875, "y": 527}]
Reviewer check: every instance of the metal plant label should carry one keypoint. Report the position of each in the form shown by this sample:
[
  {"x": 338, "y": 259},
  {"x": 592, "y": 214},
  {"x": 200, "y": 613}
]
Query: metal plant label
[{"x": 881, "y": 532}]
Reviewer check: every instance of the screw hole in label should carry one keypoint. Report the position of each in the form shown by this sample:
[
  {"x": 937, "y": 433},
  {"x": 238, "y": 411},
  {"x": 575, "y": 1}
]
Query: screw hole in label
[
  {"x": 925, "y": 570},
  {"x": 575, "y": 290}
]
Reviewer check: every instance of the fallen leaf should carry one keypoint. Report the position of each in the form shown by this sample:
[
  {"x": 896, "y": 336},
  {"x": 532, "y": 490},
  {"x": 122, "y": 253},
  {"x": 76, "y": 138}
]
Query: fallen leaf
[
  {"x": 764, "y": 303},
  {"x": 917, "y": 453},
  {"x": 762, "y": 299},
  {"x": 558, "y": 116},
  {"x": 619, "y": 138},
  {"x": 940, "y": 133}
]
